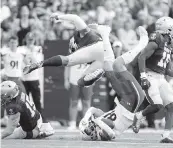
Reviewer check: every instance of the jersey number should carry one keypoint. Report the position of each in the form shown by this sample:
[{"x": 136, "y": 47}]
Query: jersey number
[
  {"x": 165, "y": 59},
  {"x": 14, "y": 64},
  {"x": 30, "y": 106},
  {"x": 111, "y": 115}
]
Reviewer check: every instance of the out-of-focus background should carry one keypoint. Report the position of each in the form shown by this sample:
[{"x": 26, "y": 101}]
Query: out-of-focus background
[{"x": 61, "y": 99}]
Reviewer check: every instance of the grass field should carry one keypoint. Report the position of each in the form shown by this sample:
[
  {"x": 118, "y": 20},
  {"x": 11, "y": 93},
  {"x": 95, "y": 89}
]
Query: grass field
[{"x": 66, "y": 139}]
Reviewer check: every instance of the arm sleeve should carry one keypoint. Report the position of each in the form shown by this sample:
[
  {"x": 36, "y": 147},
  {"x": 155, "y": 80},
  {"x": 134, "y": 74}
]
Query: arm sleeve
[{"x": 145, "y": 54}]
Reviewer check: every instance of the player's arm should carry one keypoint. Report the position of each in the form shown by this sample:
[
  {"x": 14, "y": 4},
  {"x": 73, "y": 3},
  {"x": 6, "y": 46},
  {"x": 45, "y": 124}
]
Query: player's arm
[
  {"x": 108, "y": 133},
  {"x": 13, "y": 121},
  {"x": 75, "y": 19},
  {"x": 145, "y": 54}
]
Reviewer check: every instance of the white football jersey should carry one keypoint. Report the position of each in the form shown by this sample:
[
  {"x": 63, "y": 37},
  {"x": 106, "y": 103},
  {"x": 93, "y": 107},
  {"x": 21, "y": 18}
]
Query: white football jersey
[
  {"x": 33, "y": 55},
  {"x": 13, "y": 63}
]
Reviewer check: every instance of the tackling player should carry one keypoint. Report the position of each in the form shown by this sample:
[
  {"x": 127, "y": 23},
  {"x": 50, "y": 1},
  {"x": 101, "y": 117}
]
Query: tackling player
[
  {"x": 153, "y": 62},
  {"x": 109, "y": 125},
  {"x": 86, "y": 43},
  {"x": 20, "y": 109}
]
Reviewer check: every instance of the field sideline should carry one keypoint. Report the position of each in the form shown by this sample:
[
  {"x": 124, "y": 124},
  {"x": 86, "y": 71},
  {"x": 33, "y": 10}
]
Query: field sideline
[{"x": 67, "y": 139}]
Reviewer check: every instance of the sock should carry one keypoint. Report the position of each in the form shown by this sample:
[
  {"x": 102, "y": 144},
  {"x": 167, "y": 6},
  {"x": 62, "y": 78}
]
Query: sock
[
  {"x": 151, "y": 109},
  {"x": 166, "y": 133},
  {"x": 72, "y": 123},
  {"x": 53, "y": 61}
]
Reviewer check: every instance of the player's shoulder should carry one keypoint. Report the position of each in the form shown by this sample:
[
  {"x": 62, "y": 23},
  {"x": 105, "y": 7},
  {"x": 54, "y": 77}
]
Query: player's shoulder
[
  {"x": 21, "y": 50},
  {"x": 156, "y": 37}
]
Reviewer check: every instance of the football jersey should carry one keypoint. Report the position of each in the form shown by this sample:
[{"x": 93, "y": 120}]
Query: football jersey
[
  {"x": 13, "y": 63},
  {"x": 28, "y": 113},
  {"x": 158, "y": 61},
  {"x": 32, "y": 55},
  {"x": 89, "y": 38}
]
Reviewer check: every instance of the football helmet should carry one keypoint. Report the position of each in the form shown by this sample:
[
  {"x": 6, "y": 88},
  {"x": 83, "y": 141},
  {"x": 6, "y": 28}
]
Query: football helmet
[
  {"x": 165, "y": 25},
  {"x": 9, "y": 90},
  {"x": 88, "y": 130}
]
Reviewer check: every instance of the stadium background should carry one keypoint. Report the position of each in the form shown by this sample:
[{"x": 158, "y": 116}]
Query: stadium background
[{"x": 124, "y": 16}]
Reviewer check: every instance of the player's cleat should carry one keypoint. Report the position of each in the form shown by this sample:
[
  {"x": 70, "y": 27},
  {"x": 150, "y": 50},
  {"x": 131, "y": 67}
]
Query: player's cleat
[
  {"x": 90, "y": 78},
  {"x": 166, "y": 140},
  {"x": 29, "y": 68},
  {"x": 136, "y": 124}
]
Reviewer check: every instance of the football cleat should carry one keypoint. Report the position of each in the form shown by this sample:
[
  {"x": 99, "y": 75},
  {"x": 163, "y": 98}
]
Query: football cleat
[
  {"x": 90, "y": 78},
  {"x": 29, "y": 68},
  {"x": 136, "y": 124},
  {"x": 166, "y": 140}
]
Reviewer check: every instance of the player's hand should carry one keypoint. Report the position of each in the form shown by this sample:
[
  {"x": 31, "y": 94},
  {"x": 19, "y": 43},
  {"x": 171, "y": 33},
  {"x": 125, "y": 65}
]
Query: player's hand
[
  {"x": 54, "y": 17},
  {"x": 26, "y": 69},
  {"x": 145, "y": 84}
]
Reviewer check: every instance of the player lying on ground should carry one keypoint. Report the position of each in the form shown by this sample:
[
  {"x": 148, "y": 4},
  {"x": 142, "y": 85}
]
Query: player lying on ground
[
  {"x": 153, "y": 64},
  {"x": 21, "y": 110},
  {"x": 86, "y": 43},
  {"x": 107, "y": 126}
]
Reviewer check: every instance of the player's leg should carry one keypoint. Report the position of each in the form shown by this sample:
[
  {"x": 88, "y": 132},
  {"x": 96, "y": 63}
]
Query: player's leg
[
  {"x": 166, "y": 93},
  {"x": 17, "y": 134},
  {"x": 155, "y": 100},
  {"x": 86, "y": 99},
  {"x": 84, "y": 55},
  {"x": 74, "y": 96},
  {"x": 36, "y": 94}
]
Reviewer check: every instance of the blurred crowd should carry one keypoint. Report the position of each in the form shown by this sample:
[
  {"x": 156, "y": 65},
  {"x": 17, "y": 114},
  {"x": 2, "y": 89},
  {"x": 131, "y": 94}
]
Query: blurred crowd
[{"x": 124, "y": 16}]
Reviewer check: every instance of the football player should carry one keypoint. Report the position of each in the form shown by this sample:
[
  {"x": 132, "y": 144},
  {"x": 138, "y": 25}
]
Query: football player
[
  {"x": 109, "y": 125},
  {"x": 153, "y": 62},
  {"x": 21, "y": 110},
  {"x": 86, "y": 43}
]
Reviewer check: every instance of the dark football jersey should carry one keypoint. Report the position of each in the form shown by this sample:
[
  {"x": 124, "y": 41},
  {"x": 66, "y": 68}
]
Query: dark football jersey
[
  {"x": 162, "y": 55},
  {"x": 28, "y": 113},
  {"x": 89, "y": 38}
]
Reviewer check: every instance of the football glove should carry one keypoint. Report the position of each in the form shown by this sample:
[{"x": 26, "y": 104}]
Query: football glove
[{"x": 145, "y": 84}]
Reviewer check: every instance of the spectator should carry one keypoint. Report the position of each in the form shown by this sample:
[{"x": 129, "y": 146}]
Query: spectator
[
  {"x": 4, "y": 11},
  {"x": 127, "y": 35},
  {"x": 72, "y": 75},
  {"x": 25, "y": 24},
  {"x": 32, "y": 80},
  {"x": 105, "y": 14}
]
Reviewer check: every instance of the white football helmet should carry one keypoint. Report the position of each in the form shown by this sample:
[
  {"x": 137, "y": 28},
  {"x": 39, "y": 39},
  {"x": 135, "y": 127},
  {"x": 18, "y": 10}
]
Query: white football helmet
[
  {"x": 88, "y": 130},
  {"x": 9, "y": 90},
  {"x": 165, "y": 25}
]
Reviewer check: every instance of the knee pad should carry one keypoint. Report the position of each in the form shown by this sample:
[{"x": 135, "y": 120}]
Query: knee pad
[
  {"x": 90, "y": 78},
  {"x": 169, "y": 107}
]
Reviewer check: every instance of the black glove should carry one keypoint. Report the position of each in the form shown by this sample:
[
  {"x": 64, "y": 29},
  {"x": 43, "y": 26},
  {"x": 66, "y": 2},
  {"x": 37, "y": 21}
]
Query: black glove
[{"x": 145, "y": 84}]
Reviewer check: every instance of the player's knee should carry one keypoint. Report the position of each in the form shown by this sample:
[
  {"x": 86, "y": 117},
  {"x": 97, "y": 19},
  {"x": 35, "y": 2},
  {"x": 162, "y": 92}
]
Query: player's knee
[
  {"x": 73, "y": 103},
  {"x": 118, "y": 65},
  {"x": 169, "y": 107},
  {"x": 108, "y": 66},
  {"x": 157, "y": 107},
  {"x": 86, "y": 103}
]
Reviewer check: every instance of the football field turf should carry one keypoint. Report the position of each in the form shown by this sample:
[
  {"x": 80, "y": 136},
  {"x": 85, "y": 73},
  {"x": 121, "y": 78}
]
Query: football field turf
[{"x": 66, "y": 139}]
